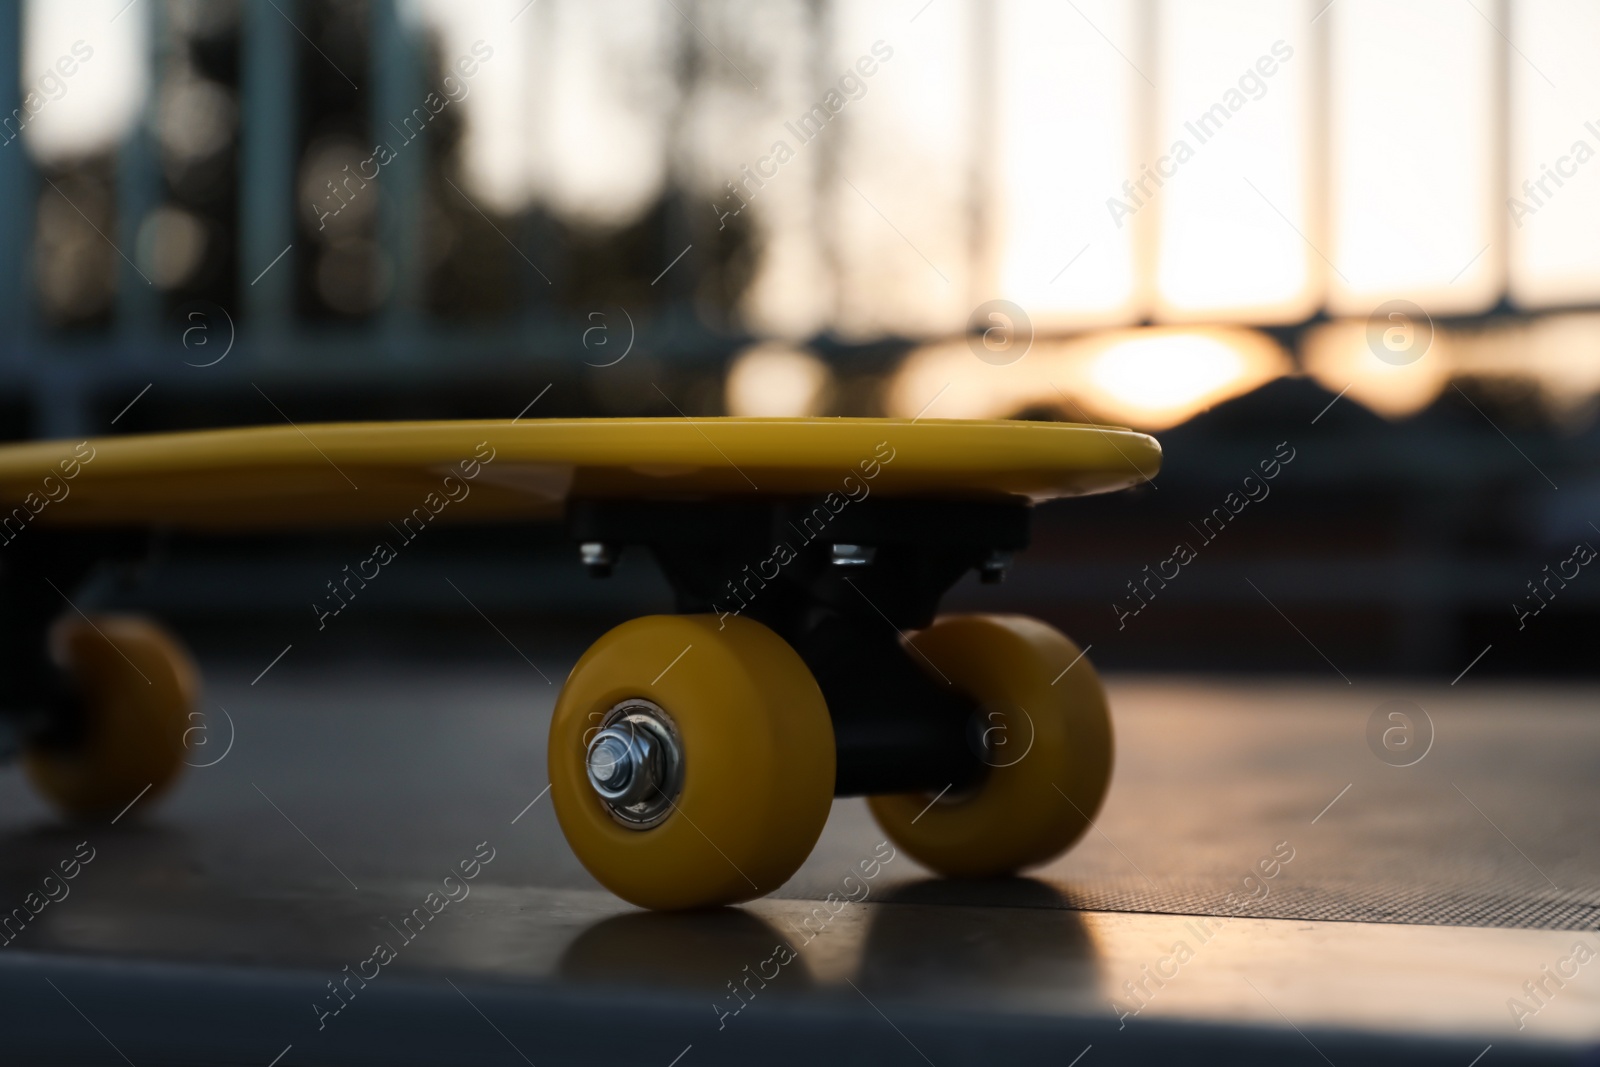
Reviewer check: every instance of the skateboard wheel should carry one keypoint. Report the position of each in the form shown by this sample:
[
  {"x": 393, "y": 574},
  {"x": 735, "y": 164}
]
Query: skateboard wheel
[
  {"x": 137, "y": 685},
  {"x": 1046, "y": 743},
  {"x": 691, "y": 761}
]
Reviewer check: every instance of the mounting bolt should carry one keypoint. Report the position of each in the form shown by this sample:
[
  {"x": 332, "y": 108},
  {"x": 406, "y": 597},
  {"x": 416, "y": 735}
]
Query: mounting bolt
[
  {"x": 992, "y": 570},
  {"x": 853, "y": 555},
  {"x": 634, "y": 764},
  {"x": 623, "y": 765},
  {"x": 598, "y": 557}
]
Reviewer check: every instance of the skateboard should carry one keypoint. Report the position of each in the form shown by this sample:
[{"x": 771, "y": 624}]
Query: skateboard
[{"x": 693, "y": 757}]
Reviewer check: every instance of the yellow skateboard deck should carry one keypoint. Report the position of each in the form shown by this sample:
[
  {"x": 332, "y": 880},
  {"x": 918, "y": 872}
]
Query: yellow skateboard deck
[{"x": 349, "y": 473}]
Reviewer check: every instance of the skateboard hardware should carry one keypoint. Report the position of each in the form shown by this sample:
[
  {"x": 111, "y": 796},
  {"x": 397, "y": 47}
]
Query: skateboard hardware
[
  {"x": 95, "y": 705},
  {"x": 598, "y": 558},
  {"x": 896, "y": 726},
  {"x": 1047, "y": 735},
  {"x": 853, "y": 555},
  {"x": 757, "y": 758},
  {"x": 993, "y": 569},
  {"x": 635, "y": 763},
  {"x": 39, "y": 702}
]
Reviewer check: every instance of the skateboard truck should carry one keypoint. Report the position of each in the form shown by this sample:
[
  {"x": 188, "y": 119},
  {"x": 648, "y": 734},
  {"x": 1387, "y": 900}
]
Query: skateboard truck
[
  {"x": 39, "y": 706},
  {"x": 842, "y": 588}
]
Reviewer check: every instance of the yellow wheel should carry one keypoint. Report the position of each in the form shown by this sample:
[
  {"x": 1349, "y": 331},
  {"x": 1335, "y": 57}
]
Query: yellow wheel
[
  {"x": 137, "y": 686},
  {"x": 1047, "y": 743},
  {"x": 691, "y": 765}
]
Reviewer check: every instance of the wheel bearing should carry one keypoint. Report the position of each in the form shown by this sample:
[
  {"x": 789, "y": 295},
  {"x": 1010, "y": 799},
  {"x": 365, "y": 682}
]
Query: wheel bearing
[{"x": 634, "y": 763}]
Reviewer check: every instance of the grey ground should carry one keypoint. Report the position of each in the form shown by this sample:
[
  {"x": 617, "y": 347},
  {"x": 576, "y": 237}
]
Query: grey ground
[{"x": 354, "y": 784}]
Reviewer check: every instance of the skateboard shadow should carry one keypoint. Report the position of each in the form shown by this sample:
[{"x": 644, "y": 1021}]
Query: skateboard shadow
[
  {"x": 997, "y": 934},
  {"x": 993, "y": 934},
  {"x": 54, "y": 875},
  {"x": 701, "y": 951},
  {"x": 28, "y": 853}
]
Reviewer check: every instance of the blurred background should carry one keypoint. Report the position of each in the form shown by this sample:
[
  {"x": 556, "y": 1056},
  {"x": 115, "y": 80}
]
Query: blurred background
[{"x": 1362, "y": 234}]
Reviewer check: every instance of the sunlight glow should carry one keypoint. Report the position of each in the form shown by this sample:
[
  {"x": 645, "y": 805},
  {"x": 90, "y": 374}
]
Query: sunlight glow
[
  {"x": 500, "y": 127},
  {"x": 1157, "y": 372},
  {"x": 69, "y": 116},
  {"x": 1233, "y": 88},
  {"x": 1552, "y": 207},
  {"x": 1558, "y": 356},
  {"x": 573, "y": 108},
  {"x": 1149, "y": 378},
  {"x": 1066, "y": 140},
  {"x": 1414, "y": 162},
  {"x": 1160, "y": 377},
  {"x": 776, "y": 380},
  {"x": 899, "y": 207},
  {"x": 1338, "y": 357}
]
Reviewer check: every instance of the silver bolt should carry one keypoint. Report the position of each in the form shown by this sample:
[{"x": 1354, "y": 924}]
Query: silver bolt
[
  {"x": 635, "y": 763},
  {"x": 598, "y": 557},
  {"x": 611, "y": 764},
  {"x": 994, "y": 567},
  {"x": 853, "y": 555}
]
